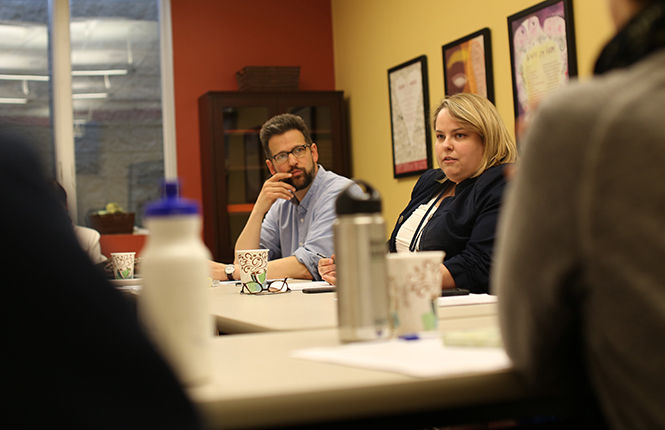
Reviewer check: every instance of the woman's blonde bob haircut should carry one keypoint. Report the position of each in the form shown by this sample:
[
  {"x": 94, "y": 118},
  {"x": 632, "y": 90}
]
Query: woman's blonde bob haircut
[{"x": 480, "y": 115}]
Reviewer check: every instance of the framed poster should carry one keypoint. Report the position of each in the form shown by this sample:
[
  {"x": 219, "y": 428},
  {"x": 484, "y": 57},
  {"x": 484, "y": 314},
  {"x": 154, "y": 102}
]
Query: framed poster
[
  {"x": 467, "y": 65},
  {"x": 542, "y": 53},
  {"x": 409, "y": 114}
]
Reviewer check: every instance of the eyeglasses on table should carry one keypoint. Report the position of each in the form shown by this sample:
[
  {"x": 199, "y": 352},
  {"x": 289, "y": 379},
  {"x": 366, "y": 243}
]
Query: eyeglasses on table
[{"x": 276, "y": 286}]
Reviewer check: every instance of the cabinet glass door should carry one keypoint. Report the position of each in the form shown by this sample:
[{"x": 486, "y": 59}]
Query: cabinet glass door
[
  {"x": 318, "y": 120},
  {"x": 244, "y": 162}
]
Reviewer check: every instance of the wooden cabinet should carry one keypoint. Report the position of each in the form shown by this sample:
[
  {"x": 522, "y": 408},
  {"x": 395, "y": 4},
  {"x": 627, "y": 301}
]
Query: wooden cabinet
[{"x": 233, "y": 166}]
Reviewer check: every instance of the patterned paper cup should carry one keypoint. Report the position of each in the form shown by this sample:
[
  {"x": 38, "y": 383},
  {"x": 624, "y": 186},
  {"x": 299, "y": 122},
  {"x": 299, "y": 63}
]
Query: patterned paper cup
[
  {"x": 123, "y": 264},
  {"x": 253, "y": 267},
  {"x": 414, "y": 283}
]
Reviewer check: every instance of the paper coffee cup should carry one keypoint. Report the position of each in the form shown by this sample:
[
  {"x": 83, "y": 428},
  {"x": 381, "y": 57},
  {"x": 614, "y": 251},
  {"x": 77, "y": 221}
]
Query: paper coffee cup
[
  {"x": 123, "y": 264},
  {"x": 414, "y": 285},
  {"x": 253, "y": 265}
]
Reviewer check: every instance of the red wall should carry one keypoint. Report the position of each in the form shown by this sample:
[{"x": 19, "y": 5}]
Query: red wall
[
  {"x": 212, "y": 39},
  {"x": 122, "y": 243}
]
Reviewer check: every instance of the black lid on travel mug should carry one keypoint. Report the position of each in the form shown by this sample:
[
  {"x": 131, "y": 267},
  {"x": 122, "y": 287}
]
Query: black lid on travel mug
[{"x": 359, "y": 197}]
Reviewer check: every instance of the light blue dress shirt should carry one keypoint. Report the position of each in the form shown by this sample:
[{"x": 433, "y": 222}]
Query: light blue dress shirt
[{"x": 304, "y": 229}]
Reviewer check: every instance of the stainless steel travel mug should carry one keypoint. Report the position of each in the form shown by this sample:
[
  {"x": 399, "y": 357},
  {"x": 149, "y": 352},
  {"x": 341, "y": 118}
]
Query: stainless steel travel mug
[{"x": 360, "y": 250}]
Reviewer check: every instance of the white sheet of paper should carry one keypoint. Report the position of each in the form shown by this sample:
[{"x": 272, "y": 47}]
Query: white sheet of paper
[
  {"x": 420, "y": 358},
  {"x": 299, "y": 285}
]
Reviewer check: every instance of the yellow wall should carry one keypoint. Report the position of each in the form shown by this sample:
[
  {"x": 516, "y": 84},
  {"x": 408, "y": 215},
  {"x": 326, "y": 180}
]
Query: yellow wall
[{"x": 371, "y": 36}]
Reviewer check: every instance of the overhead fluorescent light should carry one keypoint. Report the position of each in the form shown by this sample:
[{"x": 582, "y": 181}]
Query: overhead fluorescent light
[
  {"x": 107, "y": 72},
  {"x": 13, "y": 100},
  {"x": 8, "y": 77},
  {"x": 87, "y": 96}
]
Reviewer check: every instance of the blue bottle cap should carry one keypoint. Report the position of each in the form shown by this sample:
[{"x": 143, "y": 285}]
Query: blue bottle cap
[{"x": 171, "y": 203}]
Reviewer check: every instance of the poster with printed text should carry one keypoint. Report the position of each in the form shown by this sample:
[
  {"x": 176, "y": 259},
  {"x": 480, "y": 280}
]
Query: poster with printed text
[
  {"x": 409, "y": 111},
  {"x": 542, "y": 53}
]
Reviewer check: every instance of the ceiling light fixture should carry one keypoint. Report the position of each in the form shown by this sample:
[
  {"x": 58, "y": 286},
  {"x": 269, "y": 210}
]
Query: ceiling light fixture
[
  {"x": 9, "y": 77},
  {"x": 105, "y": 72},
  {"x": 13, "y": 100},
  {"x": 88, "y": 96}
]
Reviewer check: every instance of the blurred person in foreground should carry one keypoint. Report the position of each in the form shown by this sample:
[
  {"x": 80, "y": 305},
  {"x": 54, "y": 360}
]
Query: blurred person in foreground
[
  {"x": 455, "y": 208},
  {"x": 294, "y": 212},
  {"x": 580, "y": 270},
  {"x": 75, "y": 354}
]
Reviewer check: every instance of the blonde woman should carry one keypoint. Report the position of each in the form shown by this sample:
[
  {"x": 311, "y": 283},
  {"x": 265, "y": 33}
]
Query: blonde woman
[{"x": 455, "y": 208}]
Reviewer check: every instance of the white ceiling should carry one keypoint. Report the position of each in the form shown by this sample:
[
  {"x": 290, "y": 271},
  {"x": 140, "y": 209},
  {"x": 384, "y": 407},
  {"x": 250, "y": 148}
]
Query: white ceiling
[{"x": 105, "y": 34}]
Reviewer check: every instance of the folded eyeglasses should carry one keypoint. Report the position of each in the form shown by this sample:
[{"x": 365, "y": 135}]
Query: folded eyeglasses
[{"x": 272, "y": 287}]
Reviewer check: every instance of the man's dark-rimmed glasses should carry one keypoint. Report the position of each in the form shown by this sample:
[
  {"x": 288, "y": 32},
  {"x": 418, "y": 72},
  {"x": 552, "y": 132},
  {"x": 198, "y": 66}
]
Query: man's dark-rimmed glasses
[{"x": 298, "y": 152}]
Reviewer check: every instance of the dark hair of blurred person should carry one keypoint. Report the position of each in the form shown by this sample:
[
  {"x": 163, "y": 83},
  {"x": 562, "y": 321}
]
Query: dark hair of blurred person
[{"x": 76, "y": 356}]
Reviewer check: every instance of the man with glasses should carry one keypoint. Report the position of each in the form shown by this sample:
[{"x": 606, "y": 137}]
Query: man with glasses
[{"x": 295, "y": 210}]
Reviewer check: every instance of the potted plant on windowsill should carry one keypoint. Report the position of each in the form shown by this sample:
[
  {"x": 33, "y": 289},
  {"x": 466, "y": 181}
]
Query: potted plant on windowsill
[{"x": 112, "y": 220}]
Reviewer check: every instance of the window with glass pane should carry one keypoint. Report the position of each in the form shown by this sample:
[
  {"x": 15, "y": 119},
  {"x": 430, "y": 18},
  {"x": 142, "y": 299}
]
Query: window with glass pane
[
  {"x": 117, "y": 103},
  {"x": 24, "y": 77},
  {"x": 116, "y": 94}
]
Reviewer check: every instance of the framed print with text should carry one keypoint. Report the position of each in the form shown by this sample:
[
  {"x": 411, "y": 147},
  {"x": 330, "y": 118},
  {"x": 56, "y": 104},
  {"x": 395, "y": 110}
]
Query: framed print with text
[
  {"x": 467, "y": 65},
  {"x": 542, "y": 53},
  {"x": 409, "y": 117}
]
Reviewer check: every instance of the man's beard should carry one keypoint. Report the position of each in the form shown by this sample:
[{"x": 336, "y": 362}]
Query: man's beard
[{"x": 305, "y": 180}]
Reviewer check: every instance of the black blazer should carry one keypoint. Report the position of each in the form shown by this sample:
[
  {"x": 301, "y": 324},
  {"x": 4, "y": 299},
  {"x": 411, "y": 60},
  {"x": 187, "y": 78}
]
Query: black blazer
[{"x": 463, "y": 225}]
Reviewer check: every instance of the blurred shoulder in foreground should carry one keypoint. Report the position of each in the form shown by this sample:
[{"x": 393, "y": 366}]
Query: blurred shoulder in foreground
[{"x": 76, "y": 354}]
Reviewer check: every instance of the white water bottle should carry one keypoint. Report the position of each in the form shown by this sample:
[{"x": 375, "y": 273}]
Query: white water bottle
[{"x": 173, "y": 303}]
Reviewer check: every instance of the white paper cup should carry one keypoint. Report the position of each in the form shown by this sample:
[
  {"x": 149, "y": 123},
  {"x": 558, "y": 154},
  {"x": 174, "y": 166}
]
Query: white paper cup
[
  {"x": 253, "y": 265},
  {"x": 123, "y": 264},
  {"x": 414, "y": 284}
]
